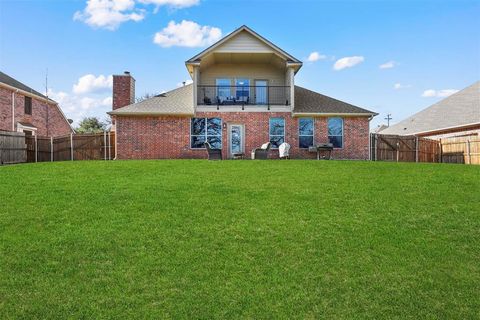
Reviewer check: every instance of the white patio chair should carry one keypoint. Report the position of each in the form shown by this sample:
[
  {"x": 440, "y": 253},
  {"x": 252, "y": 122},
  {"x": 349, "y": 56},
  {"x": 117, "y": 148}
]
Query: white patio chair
[{"x": 283, "y": 151}]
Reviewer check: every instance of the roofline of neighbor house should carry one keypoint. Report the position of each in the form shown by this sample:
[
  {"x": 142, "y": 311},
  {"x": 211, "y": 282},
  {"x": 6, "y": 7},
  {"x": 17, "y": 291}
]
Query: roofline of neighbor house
[
  {"x": 46, "y": 100},
  {"x": 436, "y": 131},
  {"x": 332, "y": 114},
  {"x": 194, "y": 59}
]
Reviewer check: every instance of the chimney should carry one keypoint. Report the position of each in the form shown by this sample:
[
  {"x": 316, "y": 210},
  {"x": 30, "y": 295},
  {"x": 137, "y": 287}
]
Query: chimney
[{"x": 123, "y": 90}]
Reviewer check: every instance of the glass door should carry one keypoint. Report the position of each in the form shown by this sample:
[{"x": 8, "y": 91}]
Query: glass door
[
  {"x": 236, "y": 139},
  {"x": 261, "y": 93}
]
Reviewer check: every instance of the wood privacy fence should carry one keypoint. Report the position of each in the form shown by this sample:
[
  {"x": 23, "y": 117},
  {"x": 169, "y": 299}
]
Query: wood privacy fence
[
  {"x": 416, "y": 149},
  {"x": 16, "y": 147}
]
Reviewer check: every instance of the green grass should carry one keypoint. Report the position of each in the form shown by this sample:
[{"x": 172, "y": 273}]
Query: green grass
[{"x": 239, "y": 239}]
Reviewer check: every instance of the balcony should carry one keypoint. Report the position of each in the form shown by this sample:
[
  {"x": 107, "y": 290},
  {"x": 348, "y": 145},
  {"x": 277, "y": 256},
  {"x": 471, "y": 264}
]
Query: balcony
[{"x": 209, "y": 95}]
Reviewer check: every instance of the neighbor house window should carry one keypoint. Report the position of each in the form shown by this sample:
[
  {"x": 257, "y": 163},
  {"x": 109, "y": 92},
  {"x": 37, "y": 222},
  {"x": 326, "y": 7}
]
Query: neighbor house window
[
  {"x": 305, "y": 132},
  {"x": 242, "y": 89},
  {"x": 277, "y": 131},
  {"x": 206, "y": 129},
  {"x": 335, "y": 132},
  {"x": 28, "y": 105},
  {"x": 223, "y": 89}
]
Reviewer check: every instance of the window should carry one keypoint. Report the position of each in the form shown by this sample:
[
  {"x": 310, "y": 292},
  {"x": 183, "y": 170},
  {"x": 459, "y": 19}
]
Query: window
[
  {"x": 335, "y": 132},
  {"x": 242, "y": 89},
  {"x": 305, "y": 132},
  {"x": 206, "y": 129},
  {"x": 223, "y": 89},
  {"x": 277, "y": 131},
  {"x": 28, "y": 105}
]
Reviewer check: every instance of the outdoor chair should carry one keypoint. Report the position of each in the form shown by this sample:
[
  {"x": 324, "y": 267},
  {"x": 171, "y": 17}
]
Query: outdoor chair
[
  {"x": 262, "y": 152},
  {"x": 283, "y": 151},
  {"x": 213, "y": 154}
]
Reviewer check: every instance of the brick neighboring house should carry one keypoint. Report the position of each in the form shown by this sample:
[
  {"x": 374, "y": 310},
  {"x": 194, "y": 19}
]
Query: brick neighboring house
[
  {"x": 23, "y": 109},
  {"x": 243, "y": 95}
]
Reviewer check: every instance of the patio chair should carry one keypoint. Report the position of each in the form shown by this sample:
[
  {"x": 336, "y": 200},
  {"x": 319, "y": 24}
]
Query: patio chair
[
  {"x": 262, "y": 152},
  {"x": 213, "y": 154},
  {"x": 283, "y": 151}
]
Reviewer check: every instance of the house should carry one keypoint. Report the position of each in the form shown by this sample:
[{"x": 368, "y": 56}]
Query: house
[
  {"x": 23, "y": 109},
  {"x": 456, "y": 115},
  {"x": 243, "y": 95}
]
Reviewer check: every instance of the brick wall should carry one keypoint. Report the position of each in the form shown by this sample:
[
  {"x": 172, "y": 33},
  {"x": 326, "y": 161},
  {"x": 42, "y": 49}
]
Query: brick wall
[
  {"x": 47, "y": 119},
  {"x": 169, "y": 137}
]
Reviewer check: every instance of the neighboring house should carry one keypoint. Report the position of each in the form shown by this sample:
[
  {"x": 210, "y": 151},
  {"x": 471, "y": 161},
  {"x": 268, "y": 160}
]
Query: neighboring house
[
  {"x": 456, "y": 115},
  {"x": 243, "y": 95},
  {"x": 23, "y": 109}
]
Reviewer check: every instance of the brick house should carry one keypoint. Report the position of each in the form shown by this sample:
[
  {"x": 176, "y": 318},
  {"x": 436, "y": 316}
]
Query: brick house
[
  {"x": 23, "y": 109},
  {"x": 243, "y": 95}
]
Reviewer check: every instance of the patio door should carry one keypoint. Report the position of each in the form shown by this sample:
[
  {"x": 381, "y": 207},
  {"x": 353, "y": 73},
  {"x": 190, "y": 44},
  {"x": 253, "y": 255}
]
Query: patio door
[
  {"x": 236, "y": 135},
  {"x": 261, "y": 94}
]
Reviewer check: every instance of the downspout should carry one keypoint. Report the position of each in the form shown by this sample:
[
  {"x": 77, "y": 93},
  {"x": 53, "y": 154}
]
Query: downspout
[{"x": 13, "y": 109}]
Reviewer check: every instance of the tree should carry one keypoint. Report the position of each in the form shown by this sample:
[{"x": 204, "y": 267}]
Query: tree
[
  {"x": 91, "y": 125},
  {"x": 145, "y": 97}
]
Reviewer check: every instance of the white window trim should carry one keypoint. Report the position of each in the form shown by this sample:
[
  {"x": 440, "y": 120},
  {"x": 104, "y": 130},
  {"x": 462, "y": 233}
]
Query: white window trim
[
  {"x": 343, "y": 133},
  {"x": 21, "y": 127},
  {"x": 303, "y": 135},
  {"x": 205, "y": 135},
  {"x": 277, "y": 135}
]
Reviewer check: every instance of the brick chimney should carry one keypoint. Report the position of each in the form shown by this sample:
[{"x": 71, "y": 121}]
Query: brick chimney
[{"x": 123, "y": 90}]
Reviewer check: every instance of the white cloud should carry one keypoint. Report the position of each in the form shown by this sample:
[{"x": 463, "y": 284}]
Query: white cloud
[
  {"x": 89, "y": 83},
  {"x": 315, "y": 56},
  {"x": 187, "y": 34},
  {"x": 347, "y": 62},
  {"x": 388, "y": 65},
  {"x": 438, "y": 93},
  {"x": 398, "y": 86},
  {"x": 109, "y": 14},
  {"x": 187, "y": 82}
]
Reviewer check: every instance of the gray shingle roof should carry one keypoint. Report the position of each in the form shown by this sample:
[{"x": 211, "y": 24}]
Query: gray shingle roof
[
  {"x": 175, "y": 102},
  {"x": 457, "y": 110},
  {"x": 17, "y": 84},
  {"x": 307, "y": 101}
]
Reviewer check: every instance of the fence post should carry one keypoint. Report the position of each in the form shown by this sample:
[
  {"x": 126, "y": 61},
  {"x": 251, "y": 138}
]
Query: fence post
[
  {"x": 36, "y": 149},
  {"x": 51, "y": 149},
  {"x": 441, "y": 151},
  {"x": 416, "y": 149},
  {"x": 398, "y": 150},
  {"x": 376, "y": 146},
  {"x": 468, "y": 152},
  {"x": 105, "y": 145},
  {"x": 71, "y": 146},
  {"x": 109, "y": 147}
]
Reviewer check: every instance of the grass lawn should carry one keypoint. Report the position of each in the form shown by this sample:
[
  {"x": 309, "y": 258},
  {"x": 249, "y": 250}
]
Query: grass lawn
[{"x": 239, "y": 239}]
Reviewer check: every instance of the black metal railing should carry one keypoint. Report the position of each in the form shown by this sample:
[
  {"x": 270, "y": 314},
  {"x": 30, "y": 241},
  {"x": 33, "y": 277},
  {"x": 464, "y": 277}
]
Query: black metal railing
[{"x": 243, "y": 95}]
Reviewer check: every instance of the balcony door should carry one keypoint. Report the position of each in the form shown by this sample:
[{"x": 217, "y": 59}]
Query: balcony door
[{"x": 261, "y": 87}]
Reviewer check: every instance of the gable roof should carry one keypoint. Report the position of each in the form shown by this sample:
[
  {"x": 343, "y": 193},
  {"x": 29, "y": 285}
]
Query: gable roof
[
  {"x": 458, "y": 110},
  {"x": 4, "y": 78},
  {"x": 243, "y": 28},
  {"x": 311, "y": 102},
  {"x": 175, "y": 102}
]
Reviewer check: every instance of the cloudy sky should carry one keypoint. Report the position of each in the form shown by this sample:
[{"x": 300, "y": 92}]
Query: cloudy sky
[{"x": 390, "y": 57}]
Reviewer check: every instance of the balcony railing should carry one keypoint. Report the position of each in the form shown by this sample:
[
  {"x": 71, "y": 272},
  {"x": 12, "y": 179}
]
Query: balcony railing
[{"x": 243, "y": 95}]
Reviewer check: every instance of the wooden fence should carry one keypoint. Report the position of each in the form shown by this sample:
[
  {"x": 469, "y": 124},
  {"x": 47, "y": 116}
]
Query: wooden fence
[
  {"x": 416, "y": 149},
  {"x": 16, "y": 147}
]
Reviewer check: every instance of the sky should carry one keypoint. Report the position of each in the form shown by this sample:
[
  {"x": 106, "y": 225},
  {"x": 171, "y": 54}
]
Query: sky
[{"x": 394, "y": 57}]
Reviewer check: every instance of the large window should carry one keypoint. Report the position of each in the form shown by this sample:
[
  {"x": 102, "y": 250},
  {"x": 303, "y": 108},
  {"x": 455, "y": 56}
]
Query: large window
[
  {"x": 28, "y": 105},
  {"x": 206, "y": 129},
  {"x": 305, "y": 132},
  {"x": 223, "y": 89},
  {"x": 242, "y": 88},
  {"x": 277, "y": 131},
  {"x": 335, "y": 132}
]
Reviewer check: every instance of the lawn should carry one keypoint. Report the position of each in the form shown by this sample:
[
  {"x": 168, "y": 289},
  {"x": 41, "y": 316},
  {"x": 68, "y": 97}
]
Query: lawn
[{"x": 239, "y": 239}]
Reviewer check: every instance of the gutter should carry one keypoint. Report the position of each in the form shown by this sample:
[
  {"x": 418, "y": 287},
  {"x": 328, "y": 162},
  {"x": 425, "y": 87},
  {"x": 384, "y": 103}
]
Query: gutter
[
  {"x": 112, "y": 113},
  {"x": 344, "y": 114}
]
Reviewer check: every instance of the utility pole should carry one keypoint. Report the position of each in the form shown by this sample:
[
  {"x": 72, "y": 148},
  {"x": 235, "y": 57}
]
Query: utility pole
[{"x": 388, "y": 118}]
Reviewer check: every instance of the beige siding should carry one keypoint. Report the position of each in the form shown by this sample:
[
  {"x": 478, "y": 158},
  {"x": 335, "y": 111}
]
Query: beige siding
[
  {"x": 244, "y": 42},
  {"x": 275, "y": 76}
]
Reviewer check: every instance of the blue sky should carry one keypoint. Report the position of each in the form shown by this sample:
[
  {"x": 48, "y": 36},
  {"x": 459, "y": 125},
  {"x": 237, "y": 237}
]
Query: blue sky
[{"x": 429, "y": 49}]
